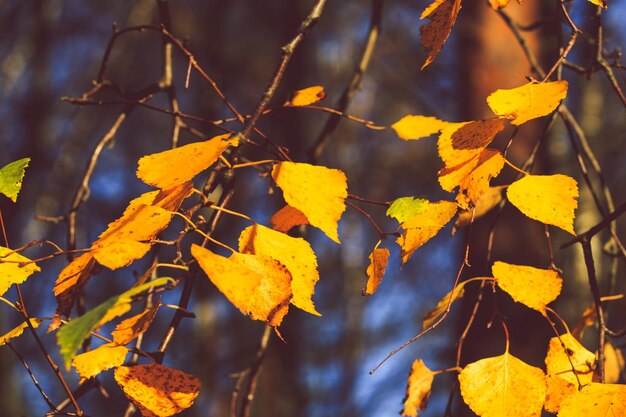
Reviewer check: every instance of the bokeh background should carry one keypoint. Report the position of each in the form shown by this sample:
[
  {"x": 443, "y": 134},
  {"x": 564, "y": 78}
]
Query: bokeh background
[{"x": 51, "y": 49}]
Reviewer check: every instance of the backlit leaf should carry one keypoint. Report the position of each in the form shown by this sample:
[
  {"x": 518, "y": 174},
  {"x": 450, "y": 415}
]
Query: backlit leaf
[
  {"x": 306, "y": 96},
  {"x": 157, "y": 390},
  {"x": 461, "y": 142},
  {"x": 293, "y": 252},
  {"x": 503, "y": 386},
  {"x": 417, "y": 127},
  {"x": 418, "y": 389},
  {"x": 118, "y": 253},
  {"x": 561, "y": 380},
  {"x": 442, "y": 15},
  {"x": 257, "y": 285},
  {"x": 11, "y": 176},
  {"x": 18, "y": 330},
  {"x": 601, "y": 3},
  {"x": 179, "y": 165},
  {"x": 596, "y": 400},
  {"x": 476, "y": 183},
  {"x": 489, "y": 200},
  {"x": 316, "y": 191},
  {"x": 499, "y": 4},
  {"x": 69, "y": 284},
  {"x": 14, "y": 268},
  {"x": 286, "y": 218},
  {"x": 133, "y": 326},
  {"x": 527, "y": 102},
  {"x": 533, "y": 287},
  {"x": 91, "y": 363},
  {"x": 550, "y": 199},
  {"x": 433, "y": 315},
  {"x": 376, "y": 269},
  {"x": 613, "y": 363}
]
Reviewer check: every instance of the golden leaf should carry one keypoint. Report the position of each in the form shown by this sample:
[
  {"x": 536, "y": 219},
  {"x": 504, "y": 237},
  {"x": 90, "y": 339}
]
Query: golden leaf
[
  {"x": 418, "y": 388},
  {"x": 562, "y": 382},
  {"x": 490, "y": 199},
  {"x": 316, "y": 191},
  {"x": 527, "y": 102},
  {"x": 70, "y": 284},
  {"x": 433, "y": 315},
  {"x": 473, "y": 186},
  {"x": 286, "y": 218},
  {"x": 601, "y": 3},
  {"x": 257, "y": 285},
  {"x": 292, "y": 252},
  {"x": 18, "y": 330},
  {"x": 14, "y": 268},
  {"x": 176, "y": 166},
  {"x": 158, "y": 390},
  {"x": 376, "y": 269},
  {"x": 413, "y": 127},
  {"x": 596, "y": 400},
  {"x": 499, "y": 4},
  {"x": 503, "y": 386},
  {"x": 461, "y": 142},
  {"x": 91, "y": 363},
  {"x": 613, "y": 363},
  {"x": 533, "y": 287},
  {"x": 132, "y": 327},
  {"x": 442, "y": 15},
  {"x": 550, "y": 199},
  {"x": 306, "y": 96},
  {"x": 116, "y": 254}
]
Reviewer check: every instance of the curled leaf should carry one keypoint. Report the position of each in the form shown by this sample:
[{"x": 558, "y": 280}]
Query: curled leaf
[
  {"x": 442, "y": 15},
  {"x": 306, "y": 96},
  {"x": 418, "y": 389},
  {"x": 287, "y": 218},
  {"x": 376, "y": 269},
  {"x": 433, "y": 315}
]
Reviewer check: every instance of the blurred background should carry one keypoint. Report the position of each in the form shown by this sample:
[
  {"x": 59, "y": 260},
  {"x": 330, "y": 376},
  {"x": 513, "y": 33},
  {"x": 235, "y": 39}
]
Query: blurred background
[{"x": 53, "y": 49}]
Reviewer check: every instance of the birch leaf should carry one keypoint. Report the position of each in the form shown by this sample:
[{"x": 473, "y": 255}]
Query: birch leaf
[
  {"x": 14, "y": 268},
  {"x": 527, "y": 102},
  {"x": 306, "y": 96},
  {"x": 91, "y": 363},
  {"x": 418, "y": 389},
  {"x": 413, "y": 127},
  {"x": 596, "y": 400},
  {"x": 375, "y": 270},
  {"x": 442, "y": 15},
  {"x": 11, "y": 176}
]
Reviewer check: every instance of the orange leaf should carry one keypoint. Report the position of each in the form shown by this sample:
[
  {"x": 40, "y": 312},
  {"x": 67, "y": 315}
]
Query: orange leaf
[
  {"x": 433, "y": 315},
  {"x": 158, "y": 390},
  {"x": 286, "y": 218},
  {"x": 70, "y": 284},
  {"x": 316, "y": 191},
  {"x": 376, "y": 269},
  {"x": 91, "y": 363},
  {"x": 489, "y": 200},
  {"x": 461, "y": 142},
  {"x": 293, "y": 252},
  {"x": 601, "y": 3},
  {"x": 527, "y": 102},
  {"x": 499, "y": 4},
  {"x": 257, "y": 285},
  {"x": 179, "y": 165},
  {"x": 533, "y": 287},
  {"x": 306, "y": 96},
  {"x": 442, "y": 15},
  {"x": 417, "y": 127},
  {"x": 550, "y": 199},
  {"x": 596, "y": 400},
  {"x": 503, "y": 386},
  {"x": 418, "y": 389},
  {"x": 132, "y": 327},
  {"x": 562, "y": 382}
]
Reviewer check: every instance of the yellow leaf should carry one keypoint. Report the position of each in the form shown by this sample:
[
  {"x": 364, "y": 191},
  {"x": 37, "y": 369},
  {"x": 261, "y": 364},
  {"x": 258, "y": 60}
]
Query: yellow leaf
[
  {"x": 561, "y": 380},
  {"x": 417, "y": 127},
  {"x": 293, "y": 252},
  {"x": 527, "y": 102},
  {"x": 257, "y": 285},
  {"x": 601, "y": 3},
  {"x": 116, "y": 254},
  {"x": 179, "y": 165},
  {"x": 596, "y": 400},
  {"x": 461, "y": 142},
  {"x": 473, "y": 186},
  {"x": 503, "y": 386},
  {"x": 286, "y": 218},
  {"x": 376, "y": 269},
  {"x": 442, "y": 15},
  {"x": 490, "y": 199},
  {"x": 306, "y": 96},
  {"x": 132, "y": 327},
  {"x": 533, "y": 287},
  {"x": 499, "y": 4},
  {"x": 614, "y": 363},
  {"x": 18, "y": 330},
  {"x": 418, "y": 389},
  {"x": 316, "y": 191},
  {"x": 433, "y": 315},
  {"x": 91, "y": 363},
  {"x": 14, "y": 268},
  {"x": 158, "y": 390},
  {"x": 550, "y": 199}
]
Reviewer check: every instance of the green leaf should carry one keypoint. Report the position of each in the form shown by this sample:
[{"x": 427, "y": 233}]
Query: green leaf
[
  {"x": 404, "y": 208},
  {"x": 11, "y": 176},
  {"x": 71, "y": 336}
]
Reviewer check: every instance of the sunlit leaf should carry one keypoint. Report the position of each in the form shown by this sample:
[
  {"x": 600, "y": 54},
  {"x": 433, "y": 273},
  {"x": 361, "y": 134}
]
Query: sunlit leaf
[
  {"x": 563, "y": 352},
  {"x": 14, "y": 268},
  {"x": 433, "y": 315},
  {"x": 442, "y": 15},
  {"x": 179, "y": 165},
  {"x": 533, "y": 287},
  {"x": 306, "y": 96},
  {"x": 294, "y": 253},
  {"x": 527, "y": 102},
  {"x": 11, "y": 176},
  {"x": 413, "y": 127},
  {"x": 316, "y": 191},
  {"x": 70, "y": 284},
  {"x": 550, "y": 199},
  {"x": 489, "y": 200},
  {"x": 596, "y": 400},
  {"x": 376, "y": 269},
  {"x": 613, "y": 363},
  {"x": 18, "y": 330},
  {"x": 503, "y": 386},
  {"x": 286, "y": 218},
  {"x": 461, "y": 142},
  {"x": 157, "y": 390},
  {"x": 601, "y": 3},
  {"x": 418, "y": 389},
  {"x": 499, "y": 4},
  {"x": 133, "y": 326},
  {"x": 116, "y": 254},
  {"x": 257, "y": 285},
  {"x": 91, "y": 363}
]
